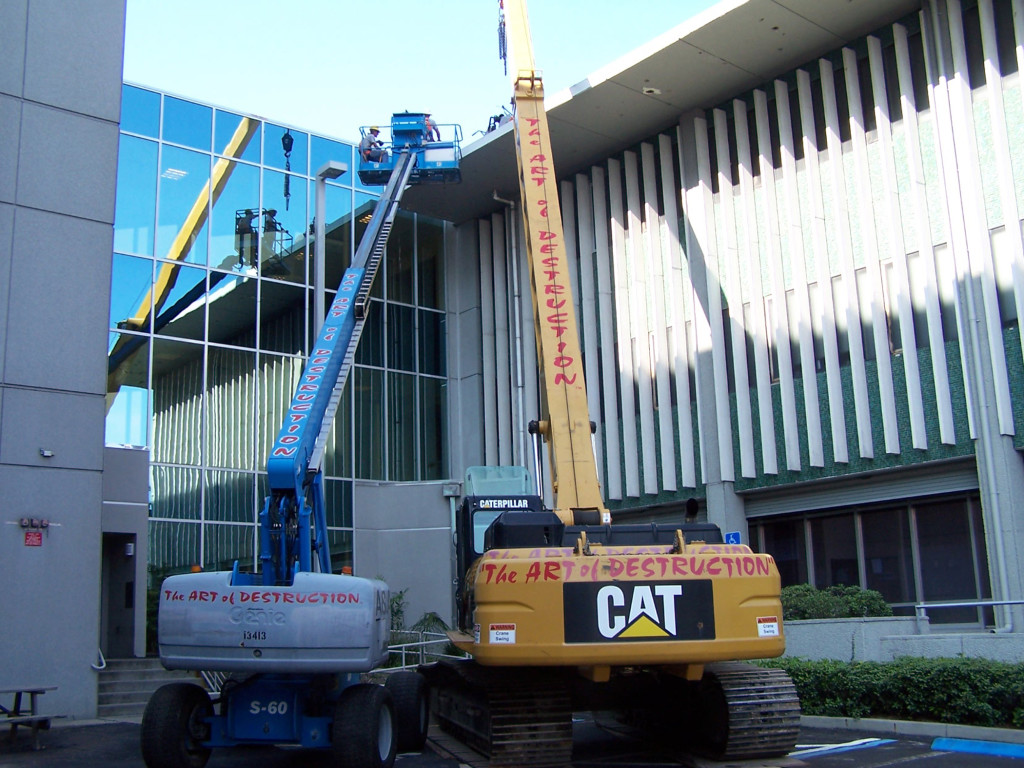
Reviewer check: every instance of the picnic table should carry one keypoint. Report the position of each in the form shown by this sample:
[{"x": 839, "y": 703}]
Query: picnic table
[{"x": 29, "y": 717}]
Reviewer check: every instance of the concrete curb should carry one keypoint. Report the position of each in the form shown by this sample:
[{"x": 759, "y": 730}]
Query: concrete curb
[{"x": 915, "y": 728}]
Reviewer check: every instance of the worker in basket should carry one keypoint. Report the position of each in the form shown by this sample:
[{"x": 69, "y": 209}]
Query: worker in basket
[{"x": 371, "y": 148}]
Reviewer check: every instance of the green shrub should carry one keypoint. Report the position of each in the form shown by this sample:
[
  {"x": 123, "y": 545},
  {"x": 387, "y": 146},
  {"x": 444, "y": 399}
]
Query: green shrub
[
  {"x": 802, "y": 601},
  {"x": 957, "y": 690}
]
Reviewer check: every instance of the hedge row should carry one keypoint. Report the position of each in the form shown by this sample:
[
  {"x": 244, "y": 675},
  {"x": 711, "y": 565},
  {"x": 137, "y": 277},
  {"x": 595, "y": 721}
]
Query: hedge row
[
  {"x": 957, "y": 690},
  {"x": 802, "y": 601}
]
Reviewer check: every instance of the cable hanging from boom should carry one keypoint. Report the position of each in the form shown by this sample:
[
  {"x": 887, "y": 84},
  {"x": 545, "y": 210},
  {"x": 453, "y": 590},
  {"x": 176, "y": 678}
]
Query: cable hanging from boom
[
  {"x": 287, "y": 142},
  {"x": 502, "y": 41}
]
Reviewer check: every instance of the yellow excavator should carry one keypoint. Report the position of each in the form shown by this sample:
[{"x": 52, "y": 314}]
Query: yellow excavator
[{"x": 563, "y": 611}]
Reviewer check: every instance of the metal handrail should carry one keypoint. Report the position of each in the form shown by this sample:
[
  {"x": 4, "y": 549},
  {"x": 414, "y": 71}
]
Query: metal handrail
[
  {"x": 414, "y": 653},
  {"x": 921, "y": 609}
]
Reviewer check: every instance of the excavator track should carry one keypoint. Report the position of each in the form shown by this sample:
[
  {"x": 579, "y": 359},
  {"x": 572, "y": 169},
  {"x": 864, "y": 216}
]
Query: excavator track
[
  {"x": 745, "y": 711},
  {"x": 515, "y": 716}
]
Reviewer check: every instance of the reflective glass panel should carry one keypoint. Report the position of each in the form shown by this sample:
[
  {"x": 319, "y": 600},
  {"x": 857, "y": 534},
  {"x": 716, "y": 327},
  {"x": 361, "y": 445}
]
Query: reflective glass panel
[
  {"x": 363, "y": 213},
  {"x": 888, "y": 558},
  {"x": 402, "y": 427},
  {"x": 180, "y": 296},
  {"x": 274, "y": 149},
  {"x": 432, "y": 342},
  {"x": 230, "y": 408},
  {"x": 224, "y": 544},
  {"x": 338, "y": 503},
  {"x": 371, "y": 344},
  {"x": 784, "y": 541},
  {"x": 433, "y": 434},
  {"x": 230, "y": 497},
  {"x": 834, "y": 545},
  {"x": 183, "y": 189},
  {"x": 175, "y": 493},
  {"x": 226, "y": 126},
  {"x": 233, "y": 235},
  {"x": 340, "y": 543},
  {"x": 401, "y": 260},
  {"x": 128, "y": 392},
  {"x": 282, "y": 317},
  {"x": 369, "y": 425},
  {"x": 135, "y": 211},
  {"x": 337, "y": 242},
  {"x": 131, "y": 279},
  {"x": 338, "y": 451},
  {"x": 430, "y": 259},
  {"x": 323, "y": 151},
  {"x": 173, "y": 548},
  {"x": 177, "y": 401},
  {"x": 140, "y": 111},
  {"x": 947, "y": 561},
  {"x": 283, "y": 227},
  {"x": 401, "y": 337},
  {"x": 232, "y": 303},
  {"x": 187, "y": 123},
  {"x": 278, "y": 376}
]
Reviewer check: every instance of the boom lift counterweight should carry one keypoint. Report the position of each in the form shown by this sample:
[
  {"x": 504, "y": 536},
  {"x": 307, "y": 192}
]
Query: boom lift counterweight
[{"x": 563, "y": 611}]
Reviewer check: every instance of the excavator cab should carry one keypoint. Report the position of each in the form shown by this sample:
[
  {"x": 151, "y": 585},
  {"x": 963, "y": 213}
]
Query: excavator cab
[{"x": 437, "y": 160}]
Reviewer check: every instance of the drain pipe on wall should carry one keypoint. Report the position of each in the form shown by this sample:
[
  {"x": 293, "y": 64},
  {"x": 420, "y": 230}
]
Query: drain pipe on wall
[{"x": 512, "y": 235}]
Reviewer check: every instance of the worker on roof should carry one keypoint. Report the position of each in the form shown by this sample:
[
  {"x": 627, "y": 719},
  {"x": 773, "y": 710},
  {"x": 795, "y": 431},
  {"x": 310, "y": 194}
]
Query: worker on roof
[
  {"x": 371, "y": 148},
  {"x": 433, "y": 134}
]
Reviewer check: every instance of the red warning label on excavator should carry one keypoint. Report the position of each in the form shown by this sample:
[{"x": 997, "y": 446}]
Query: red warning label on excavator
[
  {"x": 503, "y": 634},
  {"x": 767, "y": 626}
]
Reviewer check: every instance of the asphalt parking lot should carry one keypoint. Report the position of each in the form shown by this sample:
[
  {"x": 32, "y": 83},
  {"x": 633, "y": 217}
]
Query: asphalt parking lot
[{"x": 597, "y": 744}]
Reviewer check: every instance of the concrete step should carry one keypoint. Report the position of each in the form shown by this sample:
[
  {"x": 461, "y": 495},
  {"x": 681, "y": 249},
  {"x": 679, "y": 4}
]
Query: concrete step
[{"x": 126, "y": 685}]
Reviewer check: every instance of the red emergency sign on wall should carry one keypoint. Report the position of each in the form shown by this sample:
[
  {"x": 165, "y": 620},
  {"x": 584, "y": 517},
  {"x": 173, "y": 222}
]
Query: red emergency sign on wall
[{"x": 33, "y": 538}]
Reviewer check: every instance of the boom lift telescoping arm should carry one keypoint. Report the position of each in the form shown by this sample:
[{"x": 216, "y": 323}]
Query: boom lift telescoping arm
[{"x": 296, "y": 457}]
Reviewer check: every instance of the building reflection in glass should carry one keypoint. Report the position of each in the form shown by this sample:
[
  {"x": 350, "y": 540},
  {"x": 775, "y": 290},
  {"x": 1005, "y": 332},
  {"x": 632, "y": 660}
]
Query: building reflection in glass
[{"x": 211, "y": 316}]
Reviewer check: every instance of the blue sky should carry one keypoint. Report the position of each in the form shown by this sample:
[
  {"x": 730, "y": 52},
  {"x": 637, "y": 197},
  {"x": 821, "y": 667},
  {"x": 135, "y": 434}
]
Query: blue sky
[{"x": 293, "y": 61}]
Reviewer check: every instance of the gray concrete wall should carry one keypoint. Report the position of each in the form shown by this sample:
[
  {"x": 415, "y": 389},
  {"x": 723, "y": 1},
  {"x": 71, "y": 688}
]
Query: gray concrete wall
[
  {"x": 60, "y": 96},
  {"x": 885, "y": 639},
  {"x": 846, "y": 639},
  {"x": 403, "y": 534}
]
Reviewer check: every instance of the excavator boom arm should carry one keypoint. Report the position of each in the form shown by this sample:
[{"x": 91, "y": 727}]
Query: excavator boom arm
[{"x": 566, "y": 423}]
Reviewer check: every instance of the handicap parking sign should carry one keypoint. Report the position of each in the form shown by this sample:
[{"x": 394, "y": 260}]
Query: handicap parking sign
[{"x": 733, "y": 537}]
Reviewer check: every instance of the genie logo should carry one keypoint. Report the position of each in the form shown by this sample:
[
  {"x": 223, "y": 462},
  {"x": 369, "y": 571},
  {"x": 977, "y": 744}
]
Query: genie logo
[{"x": 638, "y": 611}]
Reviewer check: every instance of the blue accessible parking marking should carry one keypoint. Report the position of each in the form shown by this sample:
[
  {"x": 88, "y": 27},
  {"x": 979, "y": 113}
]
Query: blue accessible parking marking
[{"x": 979, "y": 747}]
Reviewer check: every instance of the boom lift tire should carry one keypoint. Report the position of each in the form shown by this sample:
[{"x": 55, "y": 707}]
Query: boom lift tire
[
  {"x": 363, "y": 733},
  {"x": 174, "y": 727},
  {"x": 412, "y": 711}
]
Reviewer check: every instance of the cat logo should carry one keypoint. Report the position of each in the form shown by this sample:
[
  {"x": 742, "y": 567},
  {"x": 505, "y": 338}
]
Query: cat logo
[
  {"x": 638, "y": 611},
  {"x": 652, "y": 611}
]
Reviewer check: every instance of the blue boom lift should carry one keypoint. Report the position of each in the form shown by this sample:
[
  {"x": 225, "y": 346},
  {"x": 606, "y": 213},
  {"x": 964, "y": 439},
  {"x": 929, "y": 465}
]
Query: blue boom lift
[{"x": 294, "y": 636}]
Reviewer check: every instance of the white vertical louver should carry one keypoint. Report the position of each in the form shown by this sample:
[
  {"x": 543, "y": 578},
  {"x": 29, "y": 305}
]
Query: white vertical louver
[
  {"x": 675, "y": 311},
  {"x": 622, "y": 323}
]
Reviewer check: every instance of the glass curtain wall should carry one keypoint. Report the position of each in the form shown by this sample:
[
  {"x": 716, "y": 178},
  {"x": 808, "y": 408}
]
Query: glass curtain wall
[
  {"x": 211, "y": 316},
  {"x": 911, "y": 552}
]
